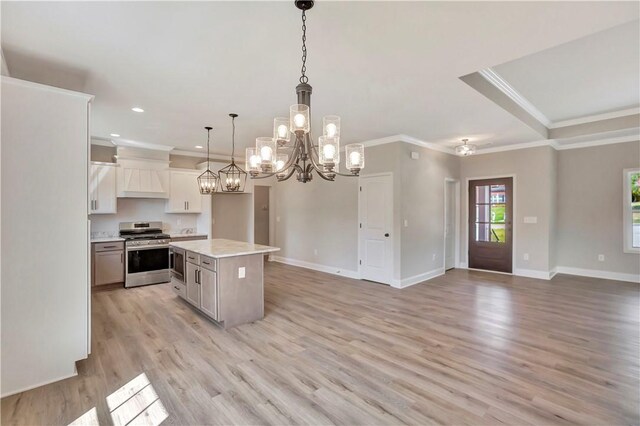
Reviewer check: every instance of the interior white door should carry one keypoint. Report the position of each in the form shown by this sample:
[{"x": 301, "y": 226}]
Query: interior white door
[
  {"x": 376, "y": 226},
  {"x": 450, "y": 226}
]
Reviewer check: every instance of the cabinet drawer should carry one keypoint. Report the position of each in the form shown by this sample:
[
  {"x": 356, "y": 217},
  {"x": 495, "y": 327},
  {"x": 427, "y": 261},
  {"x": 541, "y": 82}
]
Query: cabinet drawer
[
  {"x": 208, "y": 263},
  {"x": 179, "y": 288},
  {"x": 193, "y": 257},
  {"x": 114, "y": 245}
]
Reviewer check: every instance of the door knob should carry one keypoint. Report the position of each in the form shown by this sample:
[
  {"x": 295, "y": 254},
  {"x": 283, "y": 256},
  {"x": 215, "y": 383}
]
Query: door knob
[{"x": 386, "y": 235}]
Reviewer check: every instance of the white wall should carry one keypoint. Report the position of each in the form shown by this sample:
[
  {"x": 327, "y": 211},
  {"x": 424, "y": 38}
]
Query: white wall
[{"x": 45, "y": 302}]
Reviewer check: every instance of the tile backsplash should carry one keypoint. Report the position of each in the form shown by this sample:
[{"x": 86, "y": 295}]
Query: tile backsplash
[{"x": 142, "y": 209}]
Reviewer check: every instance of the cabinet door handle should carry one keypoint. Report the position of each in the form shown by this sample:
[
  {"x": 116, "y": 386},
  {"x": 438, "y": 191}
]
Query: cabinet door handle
[
  {"x": 187, "y": 205},
  {"x": 176, "y": 287},
  {"x": 96, "y": 204}
]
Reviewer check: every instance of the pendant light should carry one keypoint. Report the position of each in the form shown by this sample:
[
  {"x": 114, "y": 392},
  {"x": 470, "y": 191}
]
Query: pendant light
[
  {"x": 275, "y": 155},
  {"x": 208, "y": 181},
  {"x": 465, "y": 149},
  {"x": 232, "y": 178}
]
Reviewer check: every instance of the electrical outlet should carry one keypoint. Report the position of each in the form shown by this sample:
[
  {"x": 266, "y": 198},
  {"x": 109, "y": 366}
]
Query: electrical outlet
[
  {"x": 406, "y": 223},
  {"x": 179, "y": 222},
  {"x": 526, "y": 256},
  {"x": 433, "y": 257},
  {"x": 277, "y": 218},
  {"x": 315, "y": 251},
  {"x": 241, "y": 272},
  {"x": 601, "y": 257}
]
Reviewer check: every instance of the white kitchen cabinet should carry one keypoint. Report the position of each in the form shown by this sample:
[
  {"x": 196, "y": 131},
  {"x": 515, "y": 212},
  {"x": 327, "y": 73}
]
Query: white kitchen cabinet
[
  {"x": 102, "y": 188},
  {"x": 184, "y": 194}
]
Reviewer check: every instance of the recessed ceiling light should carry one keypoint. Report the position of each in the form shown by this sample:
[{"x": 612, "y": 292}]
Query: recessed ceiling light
[
  {"x": 137, "y": 109},
  {"x": 199, "y": 146},
  {"x": 115, "y": 135}
]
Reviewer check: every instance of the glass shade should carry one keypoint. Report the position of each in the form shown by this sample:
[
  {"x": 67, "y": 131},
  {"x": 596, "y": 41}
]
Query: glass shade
[
  {"x": 207, "y": 182},
  {"x": 266, "y": 149},
  {"x": 252, "y": 160},
  {"x": 281, "y": 161},
  {"x": 329, "y": 150},
  {"x": 281, "y": 132},
  {"x": 465, "y": 149},
  {"x": 299, "y": 118},
  {"x": 355, "y": 157},
  {"x": 331, "y": 126},
  {"x": 232, "y": 178}
]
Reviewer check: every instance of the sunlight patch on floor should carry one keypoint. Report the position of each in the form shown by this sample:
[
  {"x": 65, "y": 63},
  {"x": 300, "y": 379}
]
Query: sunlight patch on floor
[
  {"x": 90, "y": 418},
  {"x": 136, "y": 403}
]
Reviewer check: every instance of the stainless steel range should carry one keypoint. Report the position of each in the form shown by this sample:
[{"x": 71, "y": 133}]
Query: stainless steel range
[{"x": 147, "y": 253}]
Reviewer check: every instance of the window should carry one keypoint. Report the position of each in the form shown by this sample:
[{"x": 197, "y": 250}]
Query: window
[{"x": 631, "y": 216}]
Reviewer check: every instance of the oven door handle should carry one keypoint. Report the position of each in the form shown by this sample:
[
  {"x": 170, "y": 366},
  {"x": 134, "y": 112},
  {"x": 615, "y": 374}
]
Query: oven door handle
[{"x": 136, "y": 248}]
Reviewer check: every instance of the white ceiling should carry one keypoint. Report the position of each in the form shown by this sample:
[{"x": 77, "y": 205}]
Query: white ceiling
[
  {"x": 385, "y": 67},
  {"x": 596, "y": 74}
]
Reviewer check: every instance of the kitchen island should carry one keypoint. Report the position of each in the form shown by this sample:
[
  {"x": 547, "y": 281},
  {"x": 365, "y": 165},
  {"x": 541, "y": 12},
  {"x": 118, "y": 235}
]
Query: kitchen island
[{"x": 223, "y": 279}]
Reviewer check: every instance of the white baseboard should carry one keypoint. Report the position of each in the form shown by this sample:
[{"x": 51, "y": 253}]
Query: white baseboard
[
  {"x": 416, "y": 279},
  {"x": 532, "y": 273},
  {"x": 594, "y": 273},
  {"x": 316, "y": 267},
  {"x": 462, "y": 265}
]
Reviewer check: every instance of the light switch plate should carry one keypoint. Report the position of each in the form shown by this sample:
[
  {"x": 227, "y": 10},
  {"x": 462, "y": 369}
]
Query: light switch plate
[
  {"x": 241, "y": 272},
  {"x": 415, "y": 155},
  {"x": 531, "y": 219}
]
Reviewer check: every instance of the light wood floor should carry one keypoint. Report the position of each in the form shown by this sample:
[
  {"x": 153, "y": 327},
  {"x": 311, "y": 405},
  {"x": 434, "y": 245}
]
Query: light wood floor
[{"x": 466, "y": 348}]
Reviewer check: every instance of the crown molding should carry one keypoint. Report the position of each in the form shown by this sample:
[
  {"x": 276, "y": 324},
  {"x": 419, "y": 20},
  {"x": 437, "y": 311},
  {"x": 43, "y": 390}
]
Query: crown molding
[
  {"x": 500, "y": 83},
  {"x": 127, "y": 143},
  {"x": 410, "y": 140},
  {"x": 593, "y": 118}
]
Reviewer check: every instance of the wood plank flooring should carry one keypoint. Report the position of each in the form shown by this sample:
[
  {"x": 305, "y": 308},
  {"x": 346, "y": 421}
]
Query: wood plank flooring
[{"x": 465, "y": 348}]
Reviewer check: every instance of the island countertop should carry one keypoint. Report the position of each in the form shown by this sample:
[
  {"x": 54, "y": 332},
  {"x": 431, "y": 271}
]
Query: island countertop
[{"x": 219, "y": 248}]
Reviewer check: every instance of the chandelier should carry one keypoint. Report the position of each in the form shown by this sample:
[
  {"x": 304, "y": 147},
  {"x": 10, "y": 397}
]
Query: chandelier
[
  {"x": 232, "y": 178},
  {"x": 465, "y": 149},
  {"x": 278, "y": 155},
  {"x": 208, "y": 181}
]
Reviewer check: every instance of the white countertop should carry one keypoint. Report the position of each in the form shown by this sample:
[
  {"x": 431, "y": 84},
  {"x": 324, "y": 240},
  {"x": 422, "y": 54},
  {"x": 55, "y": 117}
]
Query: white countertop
[
  {"x": 218, "y": 248},
  {"x": 106, "y": 239},
  {"x": 181, "y": 235}
]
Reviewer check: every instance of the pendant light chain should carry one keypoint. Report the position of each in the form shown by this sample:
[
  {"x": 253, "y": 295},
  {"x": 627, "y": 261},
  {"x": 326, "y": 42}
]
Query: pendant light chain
[
  {"x": 233, "y": 137},
  {"x": 208, "y": 134},
  {"x": 303, "y": 77}
]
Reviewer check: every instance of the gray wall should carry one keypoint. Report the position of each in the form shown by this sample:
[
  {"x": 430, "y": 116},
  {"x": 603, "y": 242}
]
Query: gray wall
[
  {"x": 422, "y": 204},
  {"x": 590, "y": 207},
  {"x": 261, "y": 214},
  {"x": 324, "y": 216},
  {"x": 233, "y": 216},
  {"x": 534, "y": 196}
]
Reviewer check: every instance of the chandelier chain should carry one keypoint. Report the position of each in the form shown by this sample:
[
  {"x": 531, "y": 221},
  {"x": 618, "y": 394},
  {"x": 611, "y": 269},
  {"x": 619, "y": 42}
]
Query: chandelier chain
[
  {"x": 208, "y": 135},
  {"x": 303, "y": 77}
]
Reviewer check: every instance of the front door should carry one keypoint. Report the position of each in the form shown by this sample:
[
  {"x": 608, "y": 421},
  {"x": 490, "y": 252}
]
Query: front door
[
  {"x": 490, "y": 224},
  {"x": 376, "y": 223}
]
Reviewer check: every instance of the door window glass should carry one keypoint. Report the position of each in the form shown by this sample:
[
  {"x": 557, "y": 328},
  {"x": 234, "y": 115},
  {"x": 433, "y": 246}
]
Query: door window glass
[{"x": 491, "y": 213}]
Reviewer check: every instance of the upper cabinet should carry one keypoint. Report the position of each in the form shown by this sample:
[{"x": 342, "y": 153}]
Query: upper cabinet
[
  {"x": 102, "y": 188},
  {"x": 143, "y": 179},
  {"x": 184, "y": 195}
]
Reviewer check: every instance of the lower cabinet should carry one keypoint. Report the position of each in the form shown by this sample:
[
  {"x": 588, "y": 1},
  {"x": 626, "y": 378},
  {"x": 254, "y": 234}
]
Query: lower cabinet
[
  {"x": 193, "y": 284},
  {"x": 201, "y": 288},
  {"x": 108, "y": 263},
  {"x": 209, "y": 293}
]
